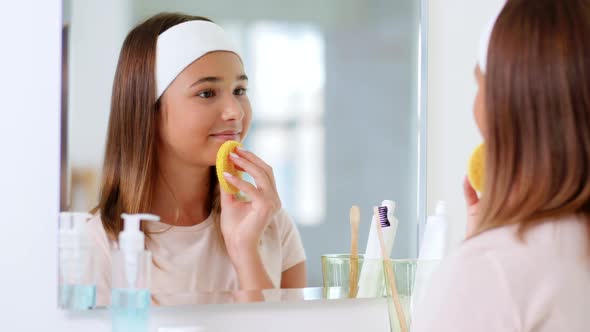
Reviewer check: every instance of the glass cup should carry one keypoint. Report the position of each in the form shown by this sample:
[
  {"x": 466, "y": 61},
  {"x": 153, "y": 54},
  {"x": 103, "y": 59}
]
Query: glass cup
[{"x": 370, "y": 280}]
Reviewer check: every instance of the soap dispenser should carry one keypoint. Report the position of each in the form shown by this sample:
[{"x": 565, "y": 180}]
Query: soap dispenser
[
  {"x": 130, "y": 295},
  {"x": 77, "y": 286}
]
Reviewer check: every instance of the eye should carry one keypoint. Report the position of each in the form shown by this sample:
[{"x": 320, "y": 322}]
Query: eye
[
  {"x": 206, "y": 94},
  {"x": 240, "y": 91}
]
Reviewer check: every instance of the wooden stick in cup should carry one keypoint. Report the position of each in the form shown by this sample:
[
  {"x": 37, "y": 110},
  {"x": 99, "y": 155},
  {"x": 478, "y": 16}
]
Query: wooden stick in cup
[
  {"x": 355, "y": 219},
  {"x": 390, "y": 275}
]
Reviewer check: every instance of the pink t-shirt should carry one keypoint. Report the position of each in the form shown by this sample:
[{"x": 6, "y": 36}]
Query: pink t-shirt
[
  {"x": 494, "y": 282},
  {"x": 192, "y": 259}
]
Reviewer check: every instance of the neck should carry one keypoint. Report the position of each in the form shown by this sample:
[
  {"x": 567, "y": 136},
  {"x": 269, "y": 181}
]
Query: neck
[{"x": 182, "y": 193}]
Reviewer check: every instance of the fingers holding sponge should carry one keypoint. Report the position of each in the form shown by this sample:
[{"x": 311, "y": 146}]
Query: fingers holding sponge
[
  {"x": 476, "y": 168},
  {"x": 223, "y": 164}
]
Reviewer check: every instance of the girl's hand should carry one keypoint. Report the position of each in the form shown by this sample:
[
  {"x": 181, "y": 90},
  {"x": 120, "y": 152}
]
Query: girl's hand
[{"x": 242, "y": 223}]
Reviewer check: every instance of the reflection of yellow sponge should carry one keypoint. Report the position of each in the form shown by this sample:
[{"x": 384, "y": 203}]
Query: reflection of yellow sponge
[
  {"x": 223, "y": 164},
  {"x": 476, "y": 171}
]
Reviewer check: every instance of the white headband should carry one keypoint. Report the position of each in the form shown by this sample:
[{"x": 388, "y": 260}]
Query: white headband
[
  {"x": 484, "y": 42},
  {"x": 183, "y": 44}
]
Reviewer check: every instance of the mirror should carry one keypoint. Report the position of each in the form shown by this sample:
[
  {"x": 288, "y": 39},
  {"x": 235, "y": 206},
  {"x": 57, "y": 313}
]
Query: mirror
[{"x": 334, "y": 87}]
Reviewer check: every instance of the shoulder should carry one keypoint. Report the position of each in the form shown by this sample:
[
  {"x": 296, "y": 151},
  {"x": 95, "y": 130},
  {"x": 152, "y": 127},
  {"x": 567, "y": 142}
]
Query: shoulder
[
  {"x": 473, "y": 289},
  {"x": 548, "y": 238},
  {"x": 490, "y": 281},
  {"x": 490, "y": 240},
  {"x": 282, "y": 219},
  {"x": 283, "y": 225},
  {"x": 98, "y": 234},
  {"x": 489, "y": 258}
]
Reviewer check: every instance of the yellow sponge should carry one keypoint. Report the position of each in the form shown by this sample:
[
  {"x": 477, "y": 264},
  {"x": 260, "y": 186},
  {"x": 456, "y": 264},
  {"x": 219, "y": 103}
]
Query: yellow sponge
[
  {"x": 223, "y": 164},
  {"x": 476, "y": 168}
]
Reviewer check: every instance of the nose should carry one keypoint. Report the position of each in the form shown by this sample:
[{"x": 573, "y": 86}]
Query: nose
[{"x": 232, "y": 109}]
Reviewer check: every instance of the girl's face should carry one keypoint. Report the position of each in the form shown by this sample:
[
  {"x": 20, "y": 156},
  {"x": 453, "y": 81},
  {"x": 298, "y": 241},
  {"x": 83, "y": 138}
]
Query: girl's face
[
  {"x": 479, "y": 104},
  {"x": 203, "y": 107}
]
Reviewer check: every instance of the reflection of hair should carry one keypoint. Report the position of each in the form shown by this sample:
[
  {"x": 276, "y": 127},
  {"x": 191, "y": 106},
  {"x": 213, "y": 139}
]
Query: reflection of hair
[
  {"x": 130, "y": 162},
  {"x": 537, "y": 114}
]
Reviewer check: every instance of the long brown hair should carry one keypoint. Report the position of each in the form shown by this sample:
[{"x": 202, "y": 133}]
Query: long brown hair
[
  {"x": 130, "y": 161},
  {"x": 537, "y": 104}
]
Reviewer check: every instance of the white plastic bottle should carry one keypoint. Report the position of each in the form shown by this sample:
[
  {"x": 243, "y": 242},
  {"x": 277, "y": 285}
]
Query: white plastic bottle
[
  {"x": 77, "y": 284},
  {"x": 433, "y": 248},
  {"x": 434, "y": 241}
]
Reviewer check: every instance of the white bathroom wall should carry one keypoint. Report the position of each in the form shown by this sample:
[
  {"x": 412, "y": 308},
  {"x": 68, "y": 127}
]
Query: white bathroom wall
[
  {"x": 454, "y": 29},
  {"x": 29, "y": 171}
]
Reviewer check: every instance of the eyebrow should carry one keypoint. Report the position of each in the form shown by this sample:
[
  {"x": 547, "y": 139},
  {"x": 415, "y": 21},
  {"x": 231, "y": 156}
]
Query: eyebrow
[{"x": 214, "y": 79}]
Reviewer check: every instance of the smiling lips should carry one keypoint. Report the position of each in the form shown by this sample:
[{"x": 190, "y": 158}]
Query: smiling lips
[{"x": 227, "y": 135}]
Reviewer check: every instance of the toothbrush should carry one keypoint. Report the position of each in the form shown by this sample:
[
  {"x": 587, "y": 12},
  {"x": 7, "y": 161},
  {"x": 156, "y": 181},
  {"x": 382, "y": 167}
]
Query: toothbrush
[
  {"x": 355, "y": 219},
  {"x": 389, "y": 223},
  {"x": 390, "y": 275},
  {"x": 371, "y": 276}
]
